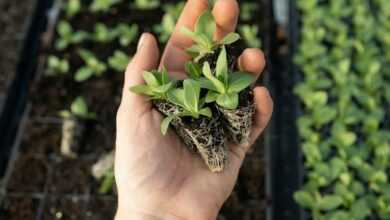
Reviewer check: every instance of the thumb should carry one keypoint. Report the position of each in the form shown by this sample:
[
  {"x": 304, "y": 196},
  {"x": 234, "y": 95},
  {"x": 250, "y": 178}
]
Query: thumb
[{"x": 145, "y": 59}]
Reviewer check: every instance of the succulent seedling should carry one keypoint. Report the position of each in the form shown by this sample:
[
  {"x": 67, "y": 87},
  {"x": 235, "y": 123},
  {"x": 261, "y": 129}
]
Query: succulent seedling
[
  {"x": 172, "y": 13},
  {"x": 224, "y": 86},
  {"x": 203, "y": 36},
  {"x": 68, "y": 36},
  {"x": 57, "y": 66},
  {"x": 126, "y": 33},
  {"x": 93, "y": 66},
  {"x": 78, "y": 109},
  {"x": 250, "y": 35},
  {"x": 102, "y": 33},
  {"x": 72, "y": 7},
  {"x": 103, "y": 5},
  {"x": 145, "y": 4},
  {"x": 118, "y": 61}
]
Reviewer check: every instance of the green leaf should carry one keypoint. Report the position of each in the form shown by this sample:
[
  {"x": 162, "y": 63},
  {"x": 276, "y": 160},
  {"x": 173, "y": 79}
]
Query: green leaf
[
  {"x": 107, "y": 183},
  {"x": 206, "y": 24},
  {"x": 150, "y": 79},
  {"x": 165, "y": 124},
  {"x": 222, "y": 67},
  {"x": 176, "y": 97},
  {"x": 207, "y": 84},
  {"x": 164, "y": 76},
  {"x": 211, "y": 96},
  {"x": 304, "y": 199},
  {"x": 79, "y": 107},
  {"x": 208, "y": 74},
  {"x": 184, "y": 30},
  {"x": 191, "y": 94},
  {"x": 230, "y": 38},
  {"x": 239, "y": 81},
  {"x": 83, "y": 74},
  {"x": 329, "y": 202},
  {"x": 64, "y": 29},
  {"x": 142, "y": 89},
  {"x": 163, "y": 88},
  {"x": 228, "y": 101},
  {"x": 206, "y": 112},
  {"x": 193, "y": 70}
]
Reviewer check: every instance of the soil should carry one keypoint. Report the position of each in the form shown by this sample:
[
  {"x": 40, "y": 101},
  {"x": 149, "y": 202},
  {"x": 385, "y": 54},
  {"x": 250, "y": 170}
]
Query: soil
[
  {"x": 101, "y": 208},
  {"x": 17, "y": 208},
  {"x": 71, "y": 208},
  {"x": 14, "y": 17}
]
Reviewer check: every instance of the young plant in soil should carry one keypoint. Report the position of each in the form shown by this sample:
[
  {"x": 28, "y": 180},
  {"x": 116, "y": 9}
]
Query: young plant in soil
[
  {"x": 145, "y": 4},
  {"x": 103, "y": 5},
  {"x": 72, "y": 7},
  {"x": 56, "y": 66},
  {"x": 233, "y": 98},
  {"x": 118, "y": 61},
  {"x": 73, "y": 126},
  {"x": 93, "y": 66},
  {"x": 67, "y": 36},
  {"x": 102, "y": 33},
  {"x": 126, "y": 33}
]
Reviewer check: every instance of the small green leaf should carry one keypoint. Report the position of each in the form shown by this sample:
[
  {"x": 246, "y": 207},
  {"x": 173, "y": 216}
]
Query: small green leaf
[
  {"x": 193, "y": 70},
  {"x": 83, "y": 74},
  {"x": 191, "y": 94},
  {"x": 222, "y": 67},
  {"x": 230, "y": 38},
  {"x": 184, "y": 30},
  {"x": 228, "y": 101},
  {"x": 141, "y": 89},
  {"x": 304, "y": 199},
  {"x": 163, "y": 88},
  {"x": 150, "y": 79},
  {"x": 176, "y": 97},
  {"x": 64, "y": 28},
  {"x": 164, "y": 76},
  {"x": 208, "y": 74},
  {"x": 330, "y": 202},
  {"x": 239, "y": 81},
  {"x": 206, "y": 112},
  {"x": 211, "y": 96},
  {"x": 206, "y": 24},
  {"x": 79, "y": 107},
  {"x": 207, "y": 84},
  {"x": 165, "y": 124}
]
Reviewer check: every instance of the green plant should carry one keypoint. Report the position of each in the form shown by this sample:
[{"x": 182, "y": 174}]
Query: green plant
[
  {"x": 126, "y": 33},
  {"x": 203, "y": 36},
  {"x": 224, "y": 87},
  {"x": 57, "y": 66},
  {"x": 68, "y": 36},
  {"x": 118, "y": 61},
  {"x": 103, "y": 5},
  {"x": 79, "y": 109},
  {"x": 102, "y": 33},
  {"x": 188, "y": 98},
  {"x": 107, "y": 183},
  {"x": 250, "y": 35},
  {"x": 167, "y": 26},
  {"x": 157, "y": 85},
  {"x": 93, "y": 66},
  {"x": 145, "y": 4},
  {"x": 247, "y": 10},
  {"x": 72, "y": 7}
]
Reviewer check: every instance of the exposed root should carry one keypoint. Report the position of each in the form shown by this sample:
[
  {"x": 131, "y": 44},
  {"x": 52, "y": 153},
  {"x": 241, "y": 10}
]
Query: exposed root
[{"x": 72, "y": 132}]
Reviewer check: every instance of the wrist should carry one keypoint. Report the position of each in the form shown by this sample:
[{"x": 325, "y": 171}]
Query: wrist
[{"x": 123, "y": 214}]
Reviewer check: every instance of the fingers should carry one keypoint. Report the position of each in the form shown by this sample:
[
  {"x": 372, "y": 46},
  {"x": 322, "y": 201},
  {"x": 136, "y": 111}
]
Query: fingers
[
  {"x": 146, "y": 58},
  {"x": 252, "y": 60},
  {"x": 226, "y": 14},
  {"x": 264, "y": 107}
]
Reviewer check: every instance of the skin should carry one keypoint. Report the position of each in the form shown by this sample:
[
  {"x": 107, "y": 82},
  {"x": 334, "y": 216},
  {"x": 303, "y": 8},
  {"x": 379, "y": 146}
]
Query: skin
[{"x": 156, "y": 176}]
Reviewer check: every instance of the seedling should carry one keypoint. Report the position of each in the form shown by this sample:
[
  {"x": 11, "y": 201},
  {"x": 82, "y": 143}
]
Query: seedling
[
  {"x": 72, "y": 7},
  {"x": 103, "y": 5},
  {"x": 203, "y": 36},
  {"x": 168, "y": 23},
  {"x": 102, "y": 33},
  {"x": 107, "y": 183},
  {"x": 68, "y": 36},
  {"x": 250, "y": 35},
  {"x": 78, "y": 109},
  {"x": 93, "y": 66},
  {"x": 126, "y": 33},
  {"x": 224, "y": 87},
  {"x": 157, "y": 85},
  {"x": 57, "y": 66},
  {"x": 247, "y": 10},
  {"x": 118, "y": 61},
  {"x": 145, "y": 4}
]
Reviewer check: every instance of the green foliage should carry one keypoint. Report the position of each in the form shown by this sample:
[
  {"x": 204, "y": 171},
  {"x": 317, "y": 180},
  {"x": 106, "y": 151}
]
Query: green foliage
[
  {"x": 107, "y": 183},
  {"x": 157, "y": 86},
  {"x": 203, "y": 36},
  {"x": 92, "y": 66},
  {"x": 224, "y": 87},
  {"x": 57, "y": 66},
  {"x": 146, "y": 4},
  {"x": 167, "y": 26},
  {"x": 345, "y": 139},
  {"x": 79, "y": 109},
  {"x": 118, "y": 61},
  {"x": 250, "y": 35},
  {"x": 103, "y": 34},
  {"x": 126, "y": 33},
  {"x": 72, "y": 7},
  {"x": 68, "y": 36},
  {"x": 103, "y": 5},
  {"x": 247, "y": 10}
]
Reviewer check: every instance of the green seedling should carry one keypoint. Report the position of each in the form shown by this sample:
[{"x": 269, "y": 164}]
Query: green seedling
[
  {"x": 93, "y": 66},
  {"x": 72, "y": 7},
  {"x": 103, "y": 5},
  {"x": 157, "y": 85},
  {"x": 188, "y": 98},
  {"x": 126, "y": 33},
  {"x": 103, "y": 34},
  {"x": 118, "y": 61},
  {"x": 167, "y": 26},
  {"x": 203, "y": 36},
  {"x": 250, "y": 35},
  {"x": 107, "y": 183},
  {"x": 68, "y": 36},
  {"x": 145, "y": 4},
  {"x": 78, "y": 109},
  {"x": 224, "y": 87},
  {"x": 247, "y": 10},
  {"x": 57, "y": 66}
]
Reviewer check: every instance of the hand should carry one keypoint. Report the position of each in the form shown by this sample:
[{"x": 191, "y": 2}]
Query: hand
[{"x": 156, "y": 176}]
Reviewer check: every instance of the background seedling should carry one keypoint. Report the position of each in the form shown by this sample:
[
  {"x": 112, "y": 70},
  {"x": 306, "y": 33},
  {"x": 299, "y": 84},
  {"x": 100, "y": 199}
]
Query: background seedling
[
  {"x": 103, "y": 34},
  {"x": 79, "y": 109},
  {"x": 224, "y": 87},
  {"x": 57, "y": 66},
  {"x": 203, "y": 36},
  {"x": 72, "y": 7},
  {"x": 172, "y": 13},
  {"x": 145, "y": 4},
  {"x": 118, "y": 61},
  {"x": 93, "y": 66},
  {"x": 103, "y": 5},
  {"x": 247, "y": 10},
  {"x": 126, "y": 33},
  {"x": 68, "y": 36},
  {"x": 250, "y": 34}
]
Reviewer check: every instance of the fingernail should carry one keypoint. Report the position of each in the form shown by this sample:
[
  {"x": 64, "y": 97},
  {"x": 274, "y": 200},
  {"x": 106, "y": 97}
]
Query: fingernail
[{"x": 141, "y": 41}]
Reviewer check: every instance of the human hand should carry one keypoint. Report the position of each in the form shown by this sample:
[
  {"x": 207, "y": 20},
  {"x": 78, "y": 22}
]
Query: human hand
[{"x": 156, "y": 176}]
